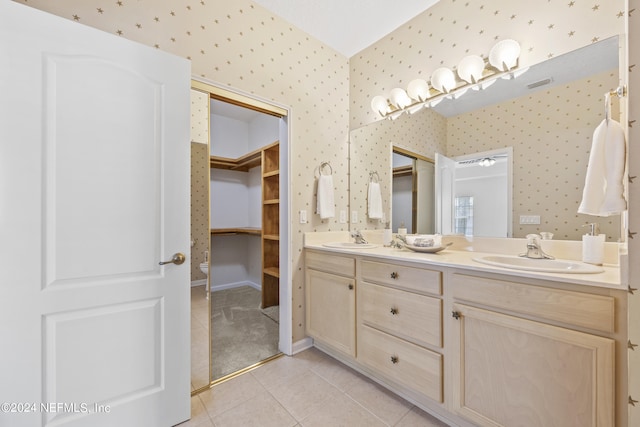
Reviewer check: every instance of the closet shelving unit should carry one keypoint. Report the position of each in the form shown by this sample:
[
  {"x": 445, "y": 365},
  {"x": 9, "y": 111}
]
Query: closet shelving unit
[
  {"x": 270, "y": 225},
  {"x": 268, "y": 157}
]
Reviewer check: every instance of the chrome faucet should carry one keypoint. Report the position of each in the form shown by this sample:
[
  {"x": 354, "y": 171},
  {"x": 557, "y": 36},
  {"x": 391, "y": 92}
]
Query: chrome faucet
[
  {"x": 358, "y": 236},
  {"x": 534, "y": 249}
]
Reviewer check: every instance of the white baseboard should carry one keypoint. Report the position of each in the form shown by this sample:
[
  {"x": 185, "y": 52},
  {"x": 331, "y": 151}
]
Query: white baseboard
[
  {"x": 235, "y": 285},
  {"x": 201, "y": 282},
  {"x": 302, "y": 345}
]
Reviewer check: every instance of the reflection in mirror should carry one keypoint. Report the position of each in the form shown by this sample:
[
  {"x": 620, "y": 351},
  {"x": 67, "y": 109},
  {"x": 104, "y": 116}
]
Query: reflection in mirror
[
  {"x": 412, "y": 192},
  {"x": 549, "y": 125},
  {"x": 474, "y": 194}
]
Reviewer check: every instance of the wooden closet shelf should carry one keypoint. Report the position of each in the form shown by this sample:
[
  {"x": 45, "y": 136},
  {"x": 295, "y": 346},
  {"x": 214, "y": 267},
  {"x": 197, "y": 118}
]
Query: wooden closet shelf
[
  {"x": 271, "y": 237},
  {"x": 242, "y": 164},
  {"x": 272, "y": 202},
  {"x": 271, "y": 173},
  {"x": 403, "y": 171},
  {"x": 253, "y": 231},
  {"x": 272, "y": 271}
]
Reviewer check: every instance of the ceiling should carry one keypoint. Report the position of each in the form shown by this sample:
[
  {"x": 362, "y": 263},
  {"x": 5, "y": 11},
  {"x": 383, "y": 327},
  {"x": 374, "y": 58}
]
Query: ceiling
[{"x": 348, "y": 26}]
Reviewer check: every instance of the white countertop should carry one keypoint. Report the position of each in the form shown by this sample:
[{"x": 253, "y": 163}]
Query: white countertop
[{"x": 461, "y": 254}]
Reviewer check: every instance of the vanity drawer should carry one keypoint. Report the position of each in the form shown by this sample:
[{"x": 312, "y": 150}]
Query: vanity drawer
[
  {"x": 417, "y": 318},
  {"x": 336, "y": 264},
  {"x": 418, "y": 279},
  {"x": 591, "y": 311},
  {"x": 402, "y": 362}
]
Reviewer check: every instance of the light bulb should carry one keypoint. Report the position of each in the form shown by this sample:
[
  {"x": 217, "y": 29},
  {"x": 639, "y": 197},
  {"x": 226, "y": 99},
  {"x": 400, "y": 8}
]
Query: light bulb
[
  {"x": 380, "y": 105},
  {"x": 418, "y": 89},
  {"x": 443, "y": 80},
  {"x": 470, "y": 69},
  {"x": 399, "y": 98},
  {"x": 504, "y": 55}
]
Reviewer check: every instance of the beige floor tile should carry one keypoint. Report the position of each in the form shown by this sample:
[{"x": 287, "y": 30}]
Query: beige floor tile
[
  {"x": 229, "y": 394},
  {"x": 418, "y": 418},
  {"x": 199, "y": 415},
  {"x": 336, "y": 373},
  {"x": 304, "y": 395},
  {"x": 381, "y": 402},
  {"x": 281, "y": 370},
  {"x": 261, "y": 411},
  {"x": 340, "y": 410},
  {"x": 199, "y": 377}
]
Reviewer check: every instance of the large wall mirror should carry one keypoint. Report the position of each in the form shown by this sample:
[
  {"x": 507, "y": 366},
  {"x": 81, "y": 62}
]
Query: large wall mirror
[{"x": 547, "y": 116}]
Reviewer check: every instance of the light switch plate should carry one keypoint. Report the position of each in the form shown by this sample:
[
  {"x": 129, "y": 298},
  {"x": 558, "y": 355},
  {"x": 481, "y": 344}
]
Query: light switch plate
[
  {"x": 303, "y": 216},
  {"x": 354, "y": 217},
  {"x": 343, "y": 217},
  {"x": 529, "y": 219}
]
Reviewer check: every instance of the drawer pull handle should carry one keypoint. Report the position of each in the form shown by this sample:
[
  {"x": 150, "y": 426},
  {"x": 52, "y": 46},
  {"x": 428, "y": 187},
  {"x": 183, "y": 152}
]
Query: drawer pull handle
[
  {"x": 394, "y": 360},
  {"x": 350, "y": 286},
  {"x": 394, "y": 275},
  {"x": 455, "y": 314},
  {"x": 394, "y": 311}
]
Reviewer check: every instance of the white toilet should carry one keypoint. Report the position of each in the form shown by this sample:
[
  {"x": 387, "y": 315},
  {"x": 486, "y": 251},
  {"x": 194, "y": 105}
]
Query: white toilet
[{"x": 204, "y": 267}]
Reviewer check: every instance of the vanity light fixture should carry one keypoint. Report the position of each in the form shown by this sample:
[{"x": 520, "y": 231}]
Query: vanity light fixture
[
  {"x": 473, "y": 72},
  {"x": 486, "y": 162}
]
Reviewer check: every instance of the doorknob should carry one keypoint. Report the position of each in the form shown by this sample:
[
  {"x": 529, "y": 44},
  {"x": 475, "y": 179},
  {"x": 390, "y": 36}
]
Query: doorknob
[{"x": 177, "y": 259}]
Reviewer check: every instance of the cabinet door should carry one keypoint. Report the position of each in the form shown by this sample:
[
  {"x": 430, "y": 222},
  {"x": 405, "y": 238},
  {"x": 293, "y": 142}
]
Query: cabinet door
[
  {"x": 510, "y": 371},
  {"x": 330, "y": 314}
]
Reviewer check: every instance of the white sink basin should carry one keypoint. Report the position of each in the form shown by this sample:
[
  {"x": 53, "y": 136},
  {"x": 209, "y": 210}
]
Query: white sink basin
[
  {"x": 350, "y": 245},
  {"x": 542, "y": 265}
]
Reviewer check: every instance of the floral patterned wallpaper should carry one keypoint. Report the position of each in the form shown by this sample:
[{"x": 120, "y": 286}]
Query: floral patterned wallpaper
[
  {"x": 240, "y": 45},
  {"x": 632, "y": 279}
]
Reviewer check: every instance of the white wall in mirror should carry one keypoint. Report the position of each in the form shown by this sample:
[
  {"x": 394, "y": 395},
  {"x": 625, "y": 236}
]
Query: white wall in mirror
[{"x": 477, "y": 190}]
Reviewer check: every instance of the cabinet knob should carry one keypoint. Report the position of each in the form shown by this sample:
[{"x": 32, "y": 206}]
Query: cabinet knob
[
  {"x": 350, "y": 286},
  {"x": 394, "y": 311},
  {"x": 394, "y": 275},
  {"x": 394, "y": 360},
  {"x": 455, "y": 314}
]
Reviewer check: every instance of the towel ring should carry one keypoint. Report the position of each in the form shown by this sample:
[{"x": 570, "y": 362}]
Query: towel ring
[
  {"x": 322, "y": 165},
  {"x": 374, "y": 177}
]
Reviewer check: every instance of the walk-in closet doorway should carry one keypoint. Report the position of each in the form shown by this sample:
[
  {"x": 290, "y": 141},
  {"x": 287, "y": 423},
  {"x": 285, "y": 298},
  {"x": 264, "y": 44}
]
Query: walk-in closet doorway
[{"x": 240, "y": 293}]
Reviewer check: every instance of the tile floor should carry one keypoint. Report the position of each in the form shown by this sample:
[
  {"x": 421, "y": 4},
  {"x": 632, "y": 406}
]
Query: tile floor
[{"x": 306, "y": 390}]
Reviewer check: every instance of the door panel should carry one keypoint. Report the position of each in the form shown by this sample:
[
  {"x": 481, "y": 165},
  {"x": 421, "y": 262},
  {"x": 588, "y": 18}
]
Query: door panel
[
  {"x": 91, "y": 165},
  {"x": 94, "y": 192},
  {"x": 119, "y": 351}
]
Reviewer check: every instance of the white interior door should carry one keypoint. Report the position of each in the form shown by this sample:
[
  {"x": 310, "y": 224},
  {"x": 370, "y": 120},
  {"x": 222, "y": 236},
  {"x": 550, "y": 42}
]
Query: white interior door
[
  {"x": 94, "y": 192},
  {"x": 445, "y": 192}
]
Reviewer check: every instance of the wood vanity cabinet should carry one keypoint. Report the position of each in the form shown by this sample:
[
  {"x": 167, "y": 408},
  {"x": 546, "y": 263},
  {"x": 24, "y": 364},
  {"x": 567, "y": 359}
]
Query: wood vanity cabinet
[
  {"x": 474, "y": 348},
  {"x": 330, "y": 298},
  {"x": 521, "y": 354},
  {"x": 399, "y": 327}
]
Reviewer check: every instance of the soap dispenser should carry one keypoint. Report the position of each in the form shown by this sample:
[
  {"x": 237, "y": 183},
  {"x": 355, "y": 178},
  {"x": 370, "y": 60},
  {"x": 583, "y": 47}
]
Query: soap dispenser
[
  {"x": 386, "y": 234},
  {"x": 402, "y": 230},
  {"x": 593, "y": 245}
]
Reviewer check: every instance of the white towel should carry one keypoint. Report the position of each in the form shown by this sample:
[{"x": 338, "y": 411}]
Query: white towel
[
  {"x": 603, "y": 193},
  {"x": 375, "y": 201},
  {"x": 326, "y": 204}
]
